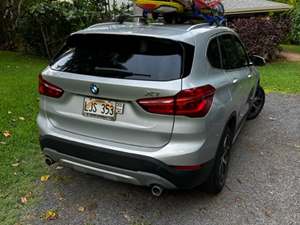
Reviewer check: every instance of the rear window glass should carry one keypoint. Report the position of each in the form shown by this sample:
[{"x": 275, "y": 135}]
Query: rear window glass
[{"x": 127, "y": 57}]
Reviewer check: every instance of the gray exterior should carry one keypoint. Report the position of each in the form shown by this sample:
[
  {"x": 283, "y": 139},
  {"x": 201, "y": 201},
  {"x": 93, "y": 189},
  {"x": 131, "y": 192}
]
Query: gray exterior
[{"x": 176, "y": 32}]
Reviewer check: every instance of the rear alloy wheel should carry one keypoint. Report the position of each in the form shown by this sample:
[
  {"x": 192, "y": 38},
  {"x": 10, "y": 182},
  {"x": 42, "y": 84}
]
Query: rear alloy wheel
[
  {"x": 257, "y": 103},
  {"x": 217, "y": 179}
]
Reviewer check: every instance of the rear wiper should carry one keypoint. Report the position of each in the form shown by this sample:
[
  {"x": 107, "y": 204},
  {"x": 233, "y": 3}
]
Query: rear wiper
[{"x": 120, "y": 73}]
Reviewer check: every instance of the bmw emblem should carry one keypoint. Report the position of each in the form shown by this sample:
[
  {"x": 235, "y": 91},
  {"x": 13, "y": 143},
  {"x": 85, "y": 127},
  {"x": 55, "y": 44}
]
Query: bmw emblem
[{"x": 94, "y": 89}]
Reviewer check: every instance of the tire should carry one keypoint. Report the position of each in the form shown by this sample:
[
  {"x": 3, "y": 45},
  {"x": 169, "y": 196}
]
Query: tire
[
  {"x": 216, "y": 180},
  {"x": 257, "y": 104}
]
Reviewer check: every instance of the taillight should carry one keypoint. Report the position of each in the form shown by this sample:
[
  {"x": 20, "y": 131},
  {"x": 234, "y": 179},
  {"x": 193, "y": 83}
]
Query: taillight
[
  {"x": 194, "y": 102},
  {"x": 48, "y": 89}
]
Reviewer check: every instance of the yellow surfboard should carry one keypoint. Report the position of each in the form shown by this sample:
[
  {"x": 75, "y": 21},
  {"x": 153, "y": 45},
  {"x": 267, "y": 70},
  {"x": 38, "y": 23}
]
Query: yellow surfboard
[{"x": 159, "y": 6}]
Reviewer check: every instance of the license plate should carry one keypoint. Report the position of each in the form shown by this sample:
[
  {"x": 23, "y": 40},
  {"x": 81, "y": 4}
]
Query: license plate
[{"x": 102, "y": 108}]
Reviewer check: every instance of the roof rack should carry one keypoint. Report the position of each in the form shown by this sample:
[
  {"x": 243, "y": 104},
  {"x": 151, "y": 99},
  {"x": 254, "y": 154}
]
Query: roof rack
[
  {"x": 102, "y": 24},
  {"x": 196, "y": 26},
  {"x": 124, "y": 17}
]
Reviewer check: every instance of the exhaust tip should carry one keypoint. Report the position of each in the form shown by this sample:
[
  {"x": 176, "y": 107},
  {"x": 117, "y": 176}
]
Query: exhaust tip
[
  {"x": 49, "y": 161},
  {"x": 157, "y": 190}
]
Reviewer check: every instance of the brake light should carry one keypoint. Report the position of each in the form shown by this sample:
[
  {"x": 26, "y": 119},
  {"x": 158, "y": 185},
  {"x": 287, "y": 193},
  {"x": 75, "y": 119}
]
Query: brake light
[
  {"x": 48, "y": 89},
  {"x": 194, "y": 102}
]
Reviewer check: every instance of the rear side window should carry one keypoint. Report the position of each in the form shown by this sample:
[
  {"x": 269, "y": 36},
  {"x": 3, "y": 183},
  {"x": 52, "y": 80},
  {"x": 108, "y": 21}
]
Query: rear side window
[
  {"x": 233, "y": 53},
  {"x": 126, "y": 57},
  {"x": 213, "y": 54}
]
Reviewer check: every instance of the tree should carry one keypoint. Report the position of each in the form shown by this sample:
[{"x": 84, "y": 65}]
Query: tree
[{"x": 10, "y": 10}]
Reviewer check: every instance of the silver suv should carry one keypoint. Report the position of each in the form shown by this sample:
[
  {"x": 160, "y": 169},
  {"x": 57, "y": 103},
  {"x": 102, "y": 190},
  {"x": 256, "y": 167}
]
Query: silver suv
[{"x": 152, "y": 105}]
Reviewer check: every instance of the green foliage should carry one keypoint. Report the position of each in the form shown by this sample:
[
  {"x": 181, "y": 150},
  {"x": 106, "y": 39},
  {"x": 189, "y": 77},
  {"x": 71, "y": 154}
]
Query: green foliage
[
  {"x": 295, "y": 34},
  {"x": 290, "y": 2},
  {"x": 46, "y": 25},
  {"x": 295, "y": 15}
]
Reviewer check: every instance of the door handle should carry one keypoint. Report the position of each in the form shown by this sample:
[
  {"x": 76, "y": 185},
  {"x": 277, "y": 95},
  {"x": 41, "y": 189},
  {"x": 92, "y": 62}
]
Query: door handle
[
  {"x": 250, "y": 76},
  {"x": 235, "y": 81}
]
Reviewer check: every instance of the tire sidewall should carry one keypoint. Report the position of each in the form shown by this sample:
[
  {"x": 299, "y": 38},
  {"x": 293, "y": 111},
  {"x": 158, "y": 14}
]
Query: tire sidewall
[
  {"x": 260, "y": 91},
  {"x": 213, "y": 185}
]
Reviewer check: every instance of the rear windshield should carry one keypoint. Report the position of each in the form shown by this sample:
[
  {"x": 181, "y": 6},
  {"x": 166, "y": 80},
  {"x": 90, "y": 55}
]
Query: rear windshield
[{"x": 127, "y": 57}]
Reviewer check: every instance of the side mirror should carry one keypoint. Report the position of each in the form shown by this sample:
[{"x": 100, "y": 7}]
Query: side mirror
[{"x": 257, "y": 60}]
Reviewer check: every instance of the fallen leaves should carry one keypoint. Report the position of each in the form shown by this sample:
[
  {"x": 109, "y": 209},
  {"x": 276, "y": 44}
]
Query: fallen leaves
[
  {"x": 272, "y": 118},
  {"x": 268, "y": 212},
  {"x": 81, "y": 209},
  {"x": 21, "y": 118},
  {"x": 59, "y": 168},
  {"x": 15, "y": 164},
  {"x": 7, "y": 134},
  {"x": 2, "y": 143},
  {"x": 59, "y": 195},
  {"x": 45, "y": 178},
  {"x": 127, "y": 217},
  {"x": 51, "y": 215},
  {"x": 24, "y": 200}
]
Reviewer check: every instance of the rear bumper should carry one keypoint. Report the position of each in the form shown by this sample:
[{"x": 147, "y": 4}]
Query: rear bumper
[{"x": 120, "y": 166}]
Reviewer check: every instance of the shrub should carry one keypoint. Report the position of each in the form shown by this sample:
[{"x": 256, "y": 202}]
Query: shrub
[
  {"x": 262, "y": 35},
  {"x": 295, "y": 34}
]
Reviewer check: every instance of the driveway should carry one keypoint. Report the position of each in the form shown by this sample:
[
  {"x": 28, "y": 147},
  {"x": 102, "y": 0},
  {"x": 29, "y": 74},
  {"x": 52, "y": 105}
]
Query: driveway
[{"x": 263, "y": 185}]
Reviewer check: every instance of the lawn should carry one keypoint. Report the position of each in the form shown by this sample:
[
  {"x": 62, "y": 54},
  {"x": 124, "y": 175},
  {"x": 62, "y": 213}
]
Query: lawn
[
  {"x": 291, "y": 48},
  {"x": 21, "y": 162},
  {"x": 281, "y": 77}
]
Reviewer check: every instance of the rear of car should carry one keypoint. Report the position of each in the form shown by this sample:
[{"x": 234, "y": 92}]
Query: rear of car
[{"x": 114, "y": 105}]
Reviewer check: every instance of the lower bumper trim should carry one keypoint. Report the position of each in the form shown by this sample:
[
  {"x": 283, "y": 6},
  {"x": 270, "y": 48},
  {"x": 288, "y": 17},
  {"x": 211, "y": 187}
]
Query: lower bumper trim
[
  {"x": 112, "y": 173},
  {"x": 133, "y": 163}
]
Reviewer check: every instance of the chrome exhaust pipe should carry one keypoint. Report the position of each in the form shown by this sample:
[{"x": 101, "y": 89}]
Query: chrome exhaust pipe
[
  {"x": 49, "y": 161},
  {"x": 157, "y": 190}
]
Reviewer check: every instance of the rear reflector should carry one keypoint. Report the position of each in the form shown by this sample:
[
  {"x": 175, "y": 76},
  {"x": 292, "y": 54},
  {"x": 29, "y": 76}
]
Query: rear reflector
[
  {"x": 189, "y": 168},
  {"x": 48, "y": 89},
  {"x": 194, "y": 102}
]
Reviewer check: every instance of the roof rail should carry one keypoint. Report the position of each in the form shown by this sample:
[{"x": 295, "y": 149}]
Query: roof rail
[
  {"x": 102, "y": 24},
  {"x": 196, "y": 26}
]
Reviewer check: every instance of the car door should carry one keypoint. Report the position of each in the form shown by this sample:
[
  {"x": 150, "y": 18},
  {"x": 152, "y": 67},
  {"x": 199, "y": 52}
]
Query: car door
[{"x": 236, "y": 65}]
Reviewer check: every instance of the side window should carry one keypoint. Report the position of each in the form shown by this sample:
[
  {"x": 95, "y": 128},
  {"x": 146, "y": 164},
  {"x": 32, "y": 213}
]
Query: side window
[
  {"x": 213, "y": 54},
  {"x": 233, "y": 53}
]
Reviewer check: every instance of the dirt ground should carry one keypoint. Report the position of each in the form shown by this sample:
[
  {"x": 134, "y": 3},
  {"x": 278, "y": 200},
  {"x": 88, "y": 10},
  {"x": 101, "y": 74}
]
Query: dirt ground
[{"x": 289, "y": 56}]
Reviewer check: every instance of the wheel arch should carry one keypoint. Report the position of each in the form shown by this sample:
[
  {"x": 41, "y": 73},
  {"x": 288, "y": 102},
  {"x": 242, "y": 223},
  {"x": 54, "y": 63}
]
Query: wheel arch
[{"x": 232, "y": 122}]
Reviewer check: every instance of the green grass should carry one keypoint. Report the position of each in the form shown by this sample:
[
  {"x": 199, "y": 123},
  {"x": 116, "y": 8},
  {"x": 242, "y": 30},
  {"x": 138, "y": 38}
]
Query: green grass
[
  {"x": 291, "y": 48},
  {"x": 18, "y": 93},
  {"x": 281, "y": 77}
]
